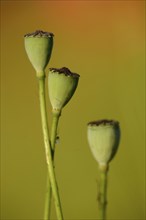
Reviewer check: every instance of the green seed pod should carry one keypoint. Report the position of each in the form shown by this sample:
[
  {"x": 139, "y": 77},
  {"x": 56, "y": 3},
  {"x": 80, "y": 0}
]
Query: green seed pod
[
  {"x": 38, "y": 47},
  {"x": 61, "y": 85},
  {"x": 103, "y": 138}
]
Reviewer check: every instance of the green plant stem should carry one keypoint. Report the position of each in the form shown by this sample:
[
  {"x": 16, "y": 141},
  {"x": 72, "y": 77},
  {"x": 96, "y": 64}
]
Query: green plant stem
[
  {"x": 102, "y": 197},
  {"x": 49, "y": 159},
  {"x": 47, "y": 211},
  {"x": 56, "y": 116}
]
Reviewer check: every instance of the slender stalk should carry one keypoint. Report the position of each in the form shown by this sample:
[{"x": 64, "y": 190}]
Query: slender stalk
[
  {"x": 102, "y": 197},
  {"x": 55, "y": 121},
  {"x": 56, "y": 116},
  {"x": 47, "y": 211},
  {"x": 48, "y": 149}
]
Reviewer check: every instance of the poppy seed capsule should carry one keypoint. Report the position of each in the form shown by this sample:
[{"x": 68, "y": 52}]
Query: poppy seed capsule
[
  {"x": 62, "y": 84},
  {"x": 38, "y": 46},
  {"x": 103, "y": 138}
]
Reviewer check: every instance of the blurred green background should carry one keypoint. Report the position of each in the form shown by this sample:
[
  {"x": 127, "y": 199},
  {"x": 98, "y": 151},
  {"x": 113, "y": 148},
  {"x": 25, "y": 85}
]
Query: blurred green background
[{"x": 103, "y": 41}]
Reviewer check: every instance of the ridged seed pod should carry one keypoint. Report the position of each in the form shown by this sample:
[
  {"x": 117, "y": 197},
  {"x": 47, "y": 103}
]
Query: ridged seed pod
[
  {"x": 38, "y": 46},
  {"x": 62, "y": 84},
  {"x": 103, "y": 138}
]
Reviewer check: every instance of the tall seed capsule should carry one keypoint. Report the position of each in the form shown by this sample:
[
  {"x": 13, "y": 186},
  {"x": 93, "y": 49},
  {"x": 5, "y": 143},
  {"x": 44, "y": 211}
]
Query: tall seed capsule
[
  {"x": 103, "y": 138},
  {"x": 38, "y": 46},
  {"x": 62, "y": 84}
]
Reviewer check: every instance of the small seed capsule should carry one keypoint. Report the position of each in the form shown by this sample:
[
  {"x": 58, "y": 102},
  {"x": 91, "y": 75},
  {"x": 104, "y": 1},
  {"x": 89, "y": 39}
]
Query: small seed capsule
[
  {"x": 38, "y": 46},
  {"x": 62, "y": 84},
  {"x": 103, "y": 138}
]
